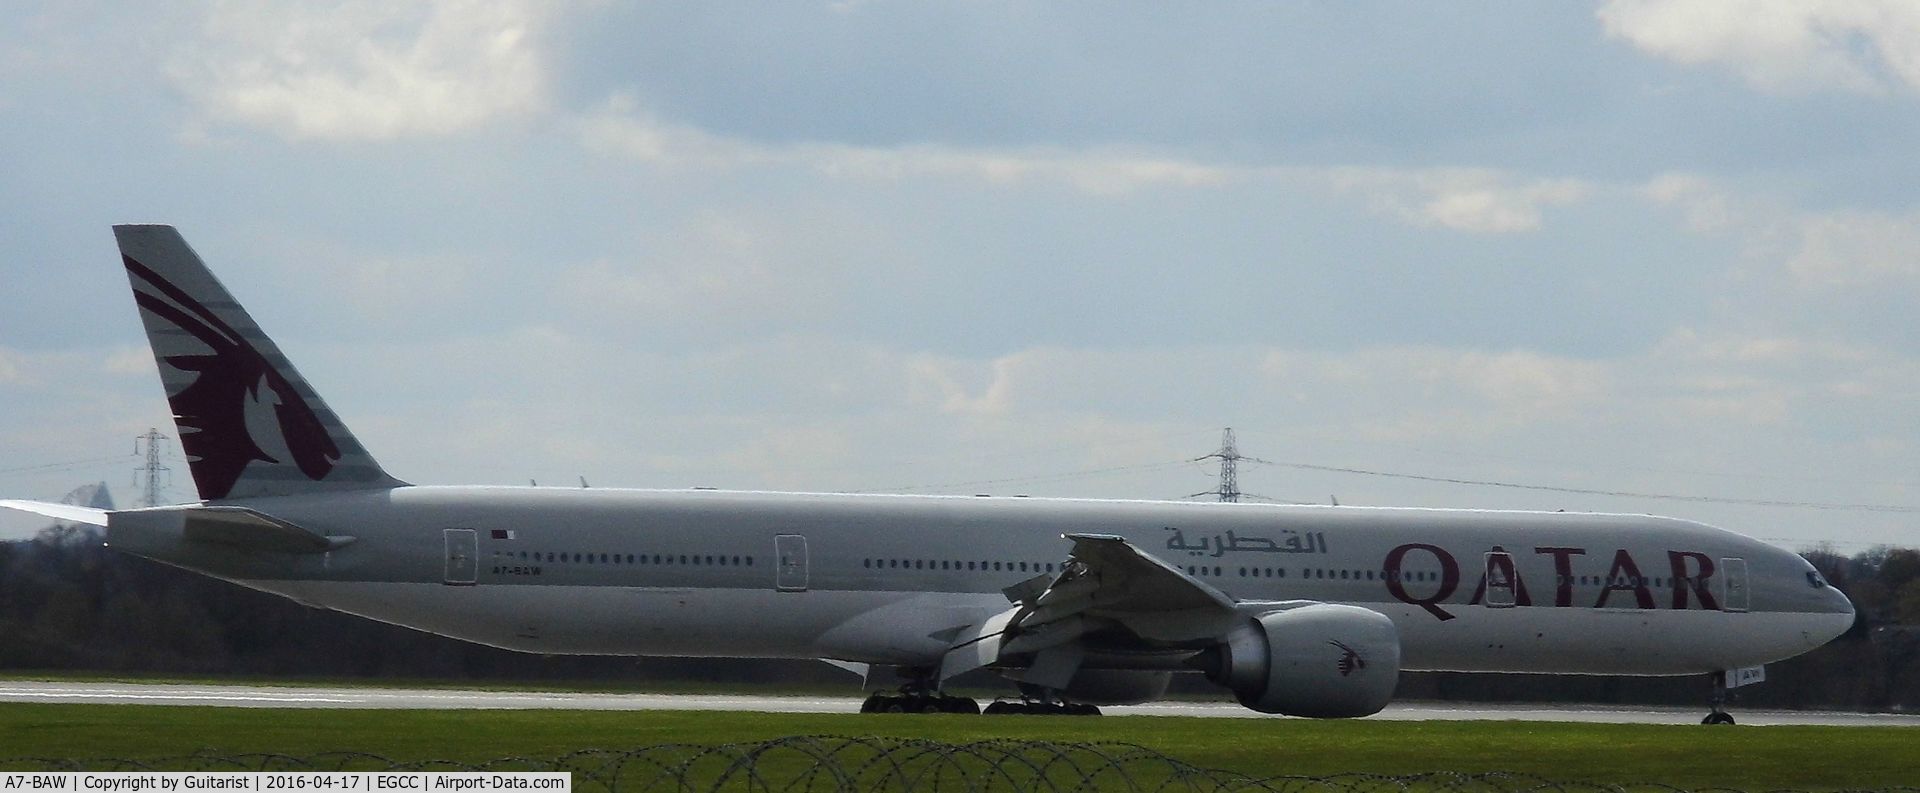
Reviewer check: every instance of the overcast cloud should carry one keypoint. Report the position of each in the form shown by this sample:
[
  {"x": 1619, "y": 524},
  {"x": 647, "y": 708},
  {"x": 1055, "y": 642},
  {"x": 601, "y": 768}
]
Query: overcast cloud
[{"x": 1655, "y": 247}]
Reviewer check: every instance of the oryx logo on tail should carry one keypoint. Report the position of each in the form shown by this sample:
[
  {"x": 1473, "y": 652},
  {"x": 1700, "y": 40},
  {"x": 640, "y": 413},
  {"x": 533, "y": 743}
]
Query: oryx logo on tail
[
  {"x": 250, "y": 426},
  {"x": 232, "y": 381}
]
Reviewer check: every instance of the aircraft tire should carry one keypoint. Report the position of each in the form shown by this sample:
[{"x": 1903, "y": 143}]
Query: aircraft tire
[
  {"x": 1721, "y": 717},
  {"x": 959, "y": 705}
]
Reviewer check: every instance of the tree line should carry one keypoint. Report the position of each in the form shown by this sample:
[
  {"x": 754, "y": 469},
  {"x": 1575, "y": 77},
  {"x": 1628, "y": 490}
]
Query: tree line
[{"x": 69, "y": 604}]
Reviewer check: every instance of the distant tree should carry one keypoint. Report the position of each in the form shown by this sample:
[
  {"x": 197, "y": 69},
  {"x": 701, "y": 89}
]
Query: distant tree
[
  {"x": 1900, "y": 568},
  {"x": 1906, "y": 604}
]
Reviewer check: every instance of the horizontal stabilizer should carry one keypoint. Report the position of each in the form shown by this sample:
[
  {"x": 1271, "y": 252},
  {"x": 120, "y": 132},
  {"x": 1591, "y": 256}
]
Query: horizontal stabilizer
[
  {"x": 66, "y": 512},
  {"x": 254, "y": 531}
]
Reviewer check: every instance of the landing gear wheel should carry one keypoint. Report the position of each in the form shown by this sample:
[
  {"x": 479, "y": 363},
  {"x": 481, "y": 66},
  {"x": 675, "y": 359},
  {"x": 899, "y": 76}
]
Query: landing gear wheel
[
  {"x": 959, "y": 705},
  {"x": 1718, "y": 715}
]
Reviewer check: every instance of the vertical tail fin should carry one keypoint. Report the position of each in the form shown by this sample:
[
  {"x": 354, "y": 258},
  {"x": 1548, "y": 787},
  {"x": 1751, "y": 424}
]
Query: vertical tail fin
[{"x": 249, "y": 423}]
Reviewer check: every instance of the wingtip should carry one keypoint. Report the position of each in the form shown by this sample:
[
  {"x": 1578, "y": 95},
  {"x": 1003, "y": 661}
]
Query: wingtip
[{"x": 67, "y": 512}]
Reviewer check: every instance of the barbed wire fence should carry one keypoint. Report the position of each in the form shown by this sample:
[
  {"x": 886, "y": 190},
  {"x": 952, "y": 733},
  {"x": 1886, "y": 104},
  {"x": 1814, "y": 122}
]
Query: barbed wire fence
[{"x": 829, "y": 764}]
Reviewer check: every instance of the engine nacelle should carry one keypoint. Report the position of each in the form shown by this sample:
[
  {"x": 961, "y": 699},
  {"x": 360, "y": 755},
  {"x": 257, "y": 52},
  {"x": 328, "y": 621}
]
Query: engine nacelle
[
  {"x": 1117, "y": 687},
  {"x": 1324, "y": 661}
]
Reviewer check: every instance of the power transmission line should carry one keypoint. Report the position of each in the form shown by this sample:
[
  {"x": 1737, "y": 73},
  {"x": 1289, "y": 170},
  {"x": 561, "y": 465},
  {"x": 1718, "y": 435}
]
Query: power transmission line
[
  {"x": 67, "y": 464},
  {"x": 1756, "y": 502}
]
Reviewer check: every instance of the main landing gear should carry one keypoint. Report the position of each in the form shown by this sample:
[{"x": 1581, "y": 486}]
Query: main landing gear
[
  {"x": 908, "y": 702},
  {"x": 1034, "y": 708},
  {"x": 1719, "y": 698},
  {"x": 919, "y": 695},
  {"x": 1039, "y": 701}
]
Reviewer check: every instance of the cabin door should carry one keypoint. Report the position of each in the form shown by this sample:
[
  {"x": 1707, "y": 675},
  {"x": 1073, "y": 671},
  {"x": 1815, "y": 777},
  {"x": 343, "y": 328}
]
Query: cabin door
[
  {"x": 1500, "y": 575},
  {"x": 1733, "y": 577},
  {"x": 790, "y": 563},
  {"x": 463, "y": 556}
]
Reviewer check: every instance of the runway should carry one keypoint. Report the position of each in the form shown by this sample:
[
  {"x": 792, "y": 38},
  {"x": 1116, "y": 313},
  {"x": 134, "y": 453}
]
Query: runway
[{"x": 255, "y": 696}]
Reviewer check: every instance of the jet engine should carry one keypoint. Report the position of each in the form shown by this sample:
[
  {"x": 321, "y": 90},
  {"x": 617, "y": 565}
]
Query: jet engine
[
  {"x": 1323, "y": 661},
  {"x": 1117, "y": 687}
]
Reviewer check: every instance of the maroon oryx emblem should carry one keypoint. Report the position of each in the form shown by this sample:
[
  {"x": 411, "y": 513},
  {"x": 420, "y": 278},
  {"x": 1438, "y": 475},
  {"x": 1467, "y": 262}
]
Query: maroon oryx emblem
[
  {"x": 233, "y": 374},
  {"x": 1350, "y": 660}
]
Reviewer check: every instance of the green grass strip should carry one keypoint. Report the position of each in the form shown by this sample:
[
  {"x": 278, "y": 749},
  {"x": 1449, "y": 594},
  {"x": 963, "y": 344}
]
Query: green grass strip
[{"x": 1743, "y": 757}]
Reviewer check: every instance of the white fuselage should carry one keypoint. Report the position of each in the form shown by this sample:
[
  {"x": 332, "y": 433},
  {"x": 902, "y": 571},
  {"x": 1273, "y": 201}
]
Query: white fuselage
[{"x": 891, "y": 579}]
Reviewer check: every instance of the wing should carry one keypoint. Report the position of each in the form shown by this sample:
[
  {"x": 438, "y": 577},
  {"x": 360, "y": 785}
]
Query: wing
[{"x": 1110, "y": 597}]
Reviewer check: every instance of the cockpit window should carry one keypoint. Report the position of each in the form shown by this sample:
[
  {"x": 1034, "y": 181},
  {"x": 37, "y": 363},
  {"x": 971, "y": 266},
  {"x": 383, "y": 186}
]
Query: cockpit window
[{"x": 1814, "y": 580}]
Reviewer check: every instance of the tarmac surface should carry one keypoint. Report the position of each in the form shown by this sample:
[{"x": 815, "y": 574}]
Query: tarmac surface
[{"x": 255, "y": 696}]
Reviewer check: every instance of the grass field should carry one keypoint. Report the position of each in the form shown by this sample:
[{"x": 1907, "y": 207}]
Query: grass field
[{"x": 1754, "y": 758}]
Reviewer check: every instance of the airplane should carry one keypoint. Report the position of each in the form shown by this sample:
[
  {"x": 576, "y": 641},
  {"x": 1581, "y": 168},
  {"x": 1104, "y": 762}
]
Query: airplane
[{"x": 1299, "y": 610}]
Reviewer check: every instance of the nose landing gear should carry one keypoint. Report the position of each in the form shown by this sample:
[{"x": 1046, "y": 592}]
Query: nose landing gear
[{"x": 1718, "y": 699}]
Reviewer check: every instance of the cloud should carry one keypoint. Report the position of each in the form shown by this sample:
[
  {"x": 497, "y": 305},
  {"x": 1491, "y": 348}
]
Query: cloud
[
  {"x": 1863, "y": 46},
  {"x": 1694, "y": 348},
  {"x": 365, "y": 70},
  {"x": 131, "y": 361},
  {"x": 1463, "y": 199},
  {"x": 9, "y": 370},
  {"x": 1411, "y": 393},
  {"x": 1828, "y": 250},
  {"x": 1707, "y": 208},
  {"x": 728, "y": 271},
  {"x": 391, "y": 289},
  {"x": 620, "y": 129},
  {"x": 779, "y": 456},
  {"x": 943, "y": 382},
  {"x": 1475, "y": 200},
  {"x": 1854, "y": 248}
]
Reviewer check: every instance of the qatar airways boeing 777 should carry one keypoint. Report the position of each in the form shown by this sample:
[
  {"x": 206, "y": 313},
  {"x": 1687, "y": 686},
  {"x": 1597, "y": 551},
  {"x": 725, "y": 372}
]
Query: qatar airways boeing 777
[{"x": 1308, "y": 611}]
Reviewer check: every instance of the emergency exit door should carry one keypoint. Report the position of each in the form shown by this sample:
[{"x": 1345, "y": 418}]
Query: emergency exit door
[
  {"x": 1733, "y": 577},
  {"x": 463, "y": 556},
  {"x": 790, "y": 563}
]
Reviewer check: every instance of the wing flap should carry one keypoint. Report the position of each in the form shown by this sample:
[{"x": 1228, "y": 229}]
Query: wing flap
[
  {"x": 1125, "y": 579},
  {"x": 1107, "y": 583}
]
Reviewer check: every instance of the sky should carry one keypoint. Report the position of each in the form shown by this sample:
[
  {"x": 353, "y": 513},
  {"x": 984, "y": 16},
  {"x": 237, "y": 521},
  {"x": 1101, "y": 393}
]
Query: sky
[{"x": 1655, "y": 256}]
